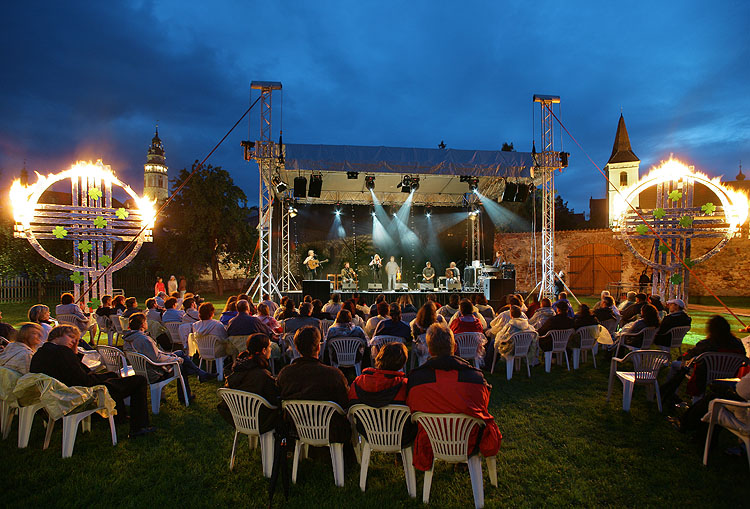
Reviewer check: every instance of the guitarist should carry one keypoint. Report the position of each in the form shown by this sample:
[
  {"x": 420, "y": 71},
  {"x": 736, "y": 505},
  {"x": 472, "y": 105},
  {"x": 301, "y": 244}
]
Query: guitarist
[{"x": 311, "y": 264}]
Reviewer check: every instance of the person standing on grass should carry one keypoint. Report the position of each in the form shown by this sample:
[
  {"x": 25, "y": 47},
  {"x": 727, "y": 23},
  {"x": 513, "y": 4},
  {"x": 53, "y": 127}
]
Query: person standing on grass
[
  {"x": 171, "y": 285},
  {"x": 159, "y": 287},
  {"x": 182, "y": 287}
]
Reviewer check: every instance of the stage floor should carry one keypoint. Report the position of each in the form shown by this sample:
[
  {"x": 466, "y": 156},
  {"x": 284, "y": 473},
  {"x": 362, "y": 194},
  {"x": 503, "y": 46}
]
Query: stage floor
[{"x": 418, "y": 298}]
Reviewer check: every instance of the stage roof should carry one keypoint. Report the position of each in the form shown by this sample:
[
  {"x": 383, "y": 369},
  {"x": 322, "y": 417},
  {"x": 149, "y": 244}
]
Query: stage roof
[{"x": 439, "y": 172}]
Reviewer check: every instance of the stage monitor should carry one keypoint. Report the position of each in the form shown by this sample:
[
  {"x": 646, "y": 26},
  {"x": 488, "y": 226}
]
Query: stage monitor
[
  {"x": 374, "y": 287},
  {"x": 349, "y": 287},
  {"x": 317, "y": 289},
  {"x": 402, "y": 287},
  {"x": 300, "y": 187}
]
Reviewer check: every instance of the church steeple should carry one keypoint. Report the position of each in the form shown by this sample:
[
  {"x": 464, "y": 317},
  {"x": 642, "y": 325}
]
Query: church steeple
[
  {"x": 740, "y": 175},
  {"x": 155, "y": 177},
  {"x": 622, "y": 167},
  {"x": 621, "y": 151}
]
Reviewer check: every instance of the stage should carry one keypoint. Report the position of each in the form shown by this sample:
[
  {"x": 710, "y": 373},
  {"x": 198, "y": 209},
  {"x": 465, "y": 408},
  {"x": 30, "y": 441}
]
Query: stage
[{"x": 418, "y": 298}]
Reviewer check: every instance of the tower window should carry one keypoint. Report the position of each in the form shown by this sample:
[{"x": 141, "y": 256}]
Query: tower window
[{"x": 623, "y": 178}]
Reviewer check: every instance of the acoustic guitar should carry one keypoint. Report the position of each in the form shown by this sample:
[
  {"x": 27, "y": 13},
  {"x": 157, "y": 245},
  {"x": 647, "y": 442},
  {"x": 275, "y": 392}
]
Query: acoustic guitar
[{"x": 315, "y": 263}]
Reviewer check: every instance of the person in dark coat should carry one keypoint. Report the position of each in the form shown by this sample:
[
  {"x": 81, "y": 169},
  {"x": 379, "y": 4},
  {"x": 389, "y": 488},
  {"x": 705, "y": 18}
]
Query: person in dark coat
[
  {"x": 308, "y": 378},
  {"x": 243, "y": 324},
  {"x": 250, "y": 373},
  {"x": 631, "y": 313},
  {"x": 560, "y": 321},
  {"x": 58, "y": 358},
  {"x": 584, "y": 318},
  {"x": 393, "y": 326},
  {"x": 604, "y": 311},
  {"x": 677, "y": 317}
]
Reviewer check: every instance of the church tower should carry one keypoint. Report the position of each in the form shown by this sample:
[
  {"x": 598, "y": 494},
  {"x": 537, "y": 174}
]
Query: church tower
[
  {"x": 155, "y": 178},
  {"x": 622, "y": 167}
]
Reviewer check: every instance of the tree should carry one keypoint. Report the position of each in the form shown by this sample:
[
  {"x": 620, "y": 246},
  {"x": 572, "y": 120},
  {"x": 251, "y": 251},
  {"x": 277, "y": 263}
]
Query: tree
[
  {"x": 206, "y": 225},
  {"x": 508, "y": 147}
]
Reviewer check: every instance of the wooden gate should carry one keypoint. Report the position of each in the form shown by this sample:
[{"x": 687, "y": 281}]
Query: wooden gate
[{"x": 593, "y": 267}]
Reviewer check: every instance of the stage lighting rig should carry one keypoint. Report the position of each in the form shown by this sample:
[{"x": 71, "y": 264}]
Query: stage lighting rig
[
  {"x": 428, "y": 211},
  {"x": 352, "y": 175},
  {"x": 372, "y": 211},
  {"x": 337, "y": 209},
  {"x": 370, "y": 182},
  {"x": 471, "y": 180},
  {"x": 290, "y": 206},
  {"x": 408, "y": 184},
  {"x": 279, "y": 184},
  {"x": 474, "y": 211}
]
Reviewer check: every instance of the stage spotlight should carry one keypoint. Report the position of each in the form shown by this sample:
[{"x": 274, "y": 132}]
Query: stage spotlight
[
  {"x": 370, "y": 182},
  {"x": 292, "y": 211},
  {"x": 372, "y": 211},
  {"x": 352, "y": 175},
  {"x": 428, "y": 211},
  {"x": 279, "y": 184},
  {"x": 471, "y": 180},
  {"x": 337, "y": 210},
  {"x": 414, "y": 184},
  {"x": 405, "y": 184},
  {"x": 316, "y": 186},
  {"x": 473, "y": 212}
]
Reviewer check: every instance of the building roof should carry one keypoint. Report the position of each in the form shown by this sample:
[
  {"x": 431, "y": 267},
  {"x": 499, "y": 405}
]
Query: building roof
[{"x": 621, "y": 151}]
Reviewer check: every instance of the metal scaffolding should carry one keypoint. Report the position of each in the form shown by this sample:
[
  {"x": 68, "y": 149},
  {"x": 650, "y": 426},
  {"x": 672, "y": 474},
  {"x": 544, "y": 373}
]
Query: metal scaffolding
[{"x": 287, "y": 281}]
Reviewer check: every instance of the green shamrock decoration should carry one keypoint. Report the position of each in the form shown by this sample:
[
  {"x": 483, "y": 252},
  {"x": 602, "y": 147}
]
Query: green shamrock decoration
[
  {"x": 675, "y": 195},
  {"x": 659, "y": 213},
  {"x": 690, "y": 263},
  {"x": 85, "y": 246},
  {"x": 95, "y": 193},
  {"x": 77, "y": 278},
  {"x": 94, "y": 303},
  {"x": 676, "y": 279},
  {"x": 59, "y": 232},
  {"x": 708, "y": 209},
  {"x": 105, "y": 260},
  {"x": 121, "y": 213},
  {"x": 100, "y": 222},
  {"x": 642, "y": 229},
  {"x": 663, "y": 249},
  {"x": 686, "y": 221}
]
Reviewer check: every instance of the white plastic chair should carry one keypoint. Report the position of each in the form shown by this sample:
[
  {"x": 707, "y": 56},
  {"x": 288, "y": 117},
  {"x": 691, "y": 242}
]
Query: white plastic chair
[
  {"x": 312, "y": 420},
  {"x": 384, "y": 427},
  {"x": 140, "y": 364},
  {"x": 649, "y": 333},
  {"x": 245, "y": 407},
  {"x": 117, "y": 324},
  {"x": 646, "y": 364},
  {"x": 105, "y": 325},
  {"x": 25, "y": 420},
  {"x": 610, "y": 325},
  {"x": 206, "y": 345},
  {"x": 378, "y": 341},
  {"x": 8, "y": 408},
  {"x": 521, "y": 343},
  {"x": 587, "y": 345},
  {"x": 677, "y": 336},
  {"x": 173, "y": 328},
  {"x": 408, "y": 317},
  {"x": 559, "y": 347},
  {"x": 449, "y": 437},
  {"x": 720, "y": 364},
  {"x": 71, "y": 421},
  {"x": 114, "y": 360},
  {"x": 124, "y": 322},
  {"x": 291, "y": 350},
  {"x": 324, "y": 326},
  {"x": 719, "y": 412},
  {"x": 346, "y": 350},
  {"x": 467, "y": 345}
]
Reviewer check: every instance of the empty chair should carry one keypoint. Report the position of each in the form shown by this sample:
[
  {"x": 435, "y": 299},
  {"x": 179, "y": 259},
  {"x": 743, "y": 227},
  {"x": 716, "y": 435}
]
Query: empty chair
[
  {"x": 384, "y": 427},
  {"x": 646, "y": 365},
  {"x": 587, "y": 345},
  {"x": 141, "y": 363},
  {"x": 105, "y": 326},
  {"x": 117, "y": 324},
  {"x": 173, "y": 328},
  {"x": 312, "y": 420},
  {"x": 245, "y": 407},
  {"x": 206, "y": 345},
  {"x": 720, "y": 412},
  {"x": 521, "y": 343},
  {"x": 114, "y": 360},
  {"x": 649, "y": 333},
  {"x": 449, "y": 437},
  {"x": 468, "y": 344},
  {"x": 346, "y": 350},
  {"x": 324, "y": 326},
  {"x": 678, "y": 335},
  {"x": 559, "y": 347}
]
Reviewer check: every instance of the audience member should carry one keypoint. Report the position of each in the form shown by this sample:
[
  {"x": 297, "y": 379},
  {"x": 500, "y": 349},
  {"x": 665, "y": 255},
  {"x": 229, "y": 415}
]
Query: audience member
[
  {"x": 484, "y": 308},
  {"x": 105, "y": 307},
  {"x": 560, "y": 321},
  {"x": 191, "y": 310},
  {"x": 272, "y": 306},
  {"x": 649, "y": 318},
  {"x": 18, "y": 353},
  {"x": 317, "y": 311},
  {"x": 431, "y": 297},
  {"x": 67, "y": 306},
  {"x": 393, "y": 326},
  {"x": 541, "y": 315},
  {"x": 407, "y": 305},
  {"x": 302, "y": 319},
  {"x": 451, "y": 308},
  {"x": 374, "y": 308},
  {"x": 357, "y": 317},
  {"x": 131, "y": 307},
  {"x": 655, "y": 301},
  {"x": 447, "y": 384},
  {"x": 604, "y": 309},
  {"x": 159, "y": 286},
  {"x": 344, "y": 327},
  {"x": 40, "y": 314},
  {"x": 504, "y": 343},
  {"x": 170, "y": 313},
  {"x": 629, "y": 301},
  {"x": 160, "y": 298},
  {"x": 677, "y": 317},
  {"x": 288, "y": 310},
  {"x": 264, "y": 315},
  {"x": 466, "y": 320},
  {"x": 333, "y": 306},
  {"x": 533, "y": 306},
  {"x": 154, "y": 314},
  {"x": 118, "y": 302},
  {"x": 378, "y": 316},
  {"x": 503, "y": 317},
  {"x": 244, "y": 324},
  {"x": 563, "y": 297},
  {"x": 230, "y": 310},
  {"x": 207, "y": 326}
]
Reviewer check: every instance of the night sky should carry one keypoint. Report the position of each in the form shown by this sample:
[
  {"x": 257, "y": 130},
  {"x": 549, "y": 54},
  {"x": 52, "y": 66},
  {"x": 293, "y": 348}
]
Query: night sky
[{"x": 89, "y": 80}]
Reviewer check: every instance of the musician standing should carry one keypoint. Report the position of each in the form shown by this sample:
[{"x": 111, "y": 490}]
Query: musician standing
[
  {"x": 347, "y": 274},
  {"x": 498, "y": 259},
  {"x": 311, "y": 265},
  {"x": 428, "y": 274},
  {"x": 375, "y": 265},
  {"x": 391, "y": 270},
  {"x": 453, "y": 274}
]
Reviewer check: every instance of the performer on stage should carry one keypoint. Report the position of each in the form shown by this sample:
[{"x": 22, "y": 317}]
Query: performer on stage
[
  {"x": 453, "y": 274},
  {"x": 391, "y": 270},
  {"x": 375, "y": 264},
  {"x": 347, "y": 274},
  {"x": 311, "y": 264},
  {"x": 428, "y": 274},
  {"x": 498, "y": 259}
]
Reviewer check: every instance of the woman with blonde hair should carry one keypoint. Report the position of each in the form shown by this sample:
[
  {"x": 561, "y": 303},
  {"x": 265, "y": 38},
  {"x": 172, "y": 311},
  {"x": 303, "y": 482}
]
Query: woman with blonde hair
[
  {"x": 39, "y": 313},
  {"x": 17, "y": 355}
]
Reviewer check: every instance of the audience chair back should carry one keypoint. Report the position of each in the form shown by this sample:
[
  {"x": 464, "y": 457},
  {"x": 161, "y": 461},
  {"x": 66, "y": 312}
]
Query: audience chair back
[
  {"x": 346, "y": 350},
  {"x": 646, "y": 365},
  {"x": 721, "y": 364},
  {"x": 678, "y": 335},
  {"x": 418, "y": 358},
  {"x": 378, "y": 341},
  {"x": 173, "y": 328},
  {"x": 587, "y": 345},
  {"x": 206, "y": 345},
  {"x": 8, "y": 403},
  {"x": 288, "y": 339},
  {"x": 610, "y": 325},
  {"x": 114, "y": 360},
  {"x": 141, "y": 363},
  {"x": 105, "y": 326},
  {"x": 124, "y": 322},
  {"x": 521, "y": 344},
  {"x": 559, "y": 347},
  {"x": 722, "y": 412},
  {"x": 408, "y": 317},
  {"x": 467, "y": 346},
  {"x": 324, "y": 326},
  {"x": 68, "y": 320}
]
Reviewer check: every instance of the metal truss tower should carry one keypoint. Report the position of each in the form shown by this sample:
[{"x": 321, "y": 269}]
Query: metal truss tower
[
  {"x": 547, "y": 162},
  {"x": 287, "y": 281},
  {"x": 266, "y": 153}
]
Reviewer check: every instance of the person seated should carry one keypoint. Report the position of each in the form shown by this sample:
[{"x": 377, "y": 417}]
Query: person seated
[
  {"x": 583, "y": 318},
  {"x": 207, "y": 326},
  {"x": 170, "y": 313},
  {"x": 333, "y": 306},
  {"x": 504, "y": 317},
  {"x": 317, "y": 311},
  {"x": 379, "y": 315},
  {"x": 392, "y": 326},
  {"x": 560, "y": 321},
  {"x": 244, "y": 324},
  {"x": 602, "y": 302},
  {"x": 363, "y": 309},
  {"x": 544, "y": 313},
  {"x": 385, "y": 384},
  {"x": 466, "y": 320},
  {"x": 452, "y": 273},
  {"x": 407, "y": 305},
  {"x": 264, "y": 315},
  {"x": 563, "y": 297},
  {"x": 374, "y": 308},
  {"x": 58, "y": 358},
  {"x": 632, "y": 312},
  {"x": 160, "y": 298},
  {"x": 345, "y": 327},
  {"x": 251, "y": 373},
  {"x": 357, "y": 319},
  {"x": 18, "y": 353},
  {"x": 272, "y": 306},
  {"x": 426, "y": 316},
  {"x": 105, "y": 307},
  {"x": 431, "y": 297},
  {"x": 649, "y": 318},
  {"x": 677, "y": 317},
  {"x": 655, "y": 301},
  {"x": 67, "y": 306},
  {"x": 533, "y": 306},
  {"x": 303, "y": 319},
  {"x": 451, "y": 308},
  {"x": 504, "y": 342},
  {"x": 629, "y": 301},
  {"x": 40, "y": 314},
  {"x": 307, "y": 378},
  {"x": 604, "y": 309},
  {"x": 118, "y": 302},
  {"x": 484, "y": 308},
  {"x": 153, "y": 313},
  {"x": 719, "y": 338},
  {"x": 136, "y": 340},
  {"x": 287, "y": 310},
  {"x": 176, "y": 296},
  {"x": 7, "y": 333},
  {"x": 131, "y": 307},
  {"x": 190, "y": 306},
  {"x": 230, "y": 310},
  {"x": 523, "y": 307},
  {"x": 474, "y": 312},
  {"x": 446, "y": 384}
]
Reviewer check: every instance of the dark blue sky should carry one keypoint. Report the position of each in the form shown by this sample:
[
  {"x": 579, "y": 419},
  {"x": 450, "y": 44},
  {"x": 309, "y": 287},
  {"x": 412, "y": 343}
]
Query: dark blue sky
[{"x": 90, "y": 79}]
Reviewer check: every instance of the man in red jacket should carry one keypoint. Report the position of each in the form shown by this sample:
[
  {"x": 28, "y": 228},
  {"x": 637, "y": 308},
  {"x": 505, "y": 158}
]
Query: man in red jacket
[{"x": 447, "y": 384}]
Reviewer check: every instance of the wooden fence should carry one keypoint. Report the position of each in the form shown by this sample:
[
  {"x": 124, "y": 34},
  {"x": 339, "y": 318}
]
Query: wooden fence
[{"x": 23, "y": 289}]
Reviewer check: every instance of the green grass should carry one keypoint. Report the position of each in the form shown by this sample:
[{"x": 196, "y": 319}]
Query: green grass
[{"x": 563, "y": 445}]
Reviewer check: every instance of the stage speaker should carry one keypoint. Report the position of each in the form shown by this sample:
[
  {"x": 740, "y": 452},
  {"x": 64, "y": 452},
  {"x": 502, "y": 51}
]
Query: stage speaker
[
  {"x": 374, "y": 287},
  {"x": 317, "y": 289},
  {"x": 496, "y": 289},
  {"x": 453, "y": 286},
  {"x": 402, "y": 287},
  {"x": 349, "y": 287},
  {"x": 300, "y": 187},
  {"x": 523, "y": 193},
  {"x": 510, "y": 192},
  {"x": 316, "y": 186},
  {"x": 426, "y": 287}
]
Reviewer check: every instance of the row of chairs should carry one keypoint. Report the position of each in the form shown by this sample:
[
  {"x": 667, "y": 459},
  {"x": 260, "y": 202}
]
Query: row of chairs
[{"x": 448, "y": 435}]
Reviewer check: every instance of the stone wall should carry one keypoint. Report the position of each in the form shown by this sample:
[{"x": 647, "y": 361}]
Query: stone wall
[{"x": 727, "y": 273}]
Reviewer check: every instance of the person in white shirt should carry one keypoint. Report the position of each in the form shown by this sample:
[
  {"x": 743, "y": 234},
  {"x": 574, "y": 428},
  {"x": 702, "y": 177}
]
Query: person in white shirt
[
  {"x": 333, "y": 306},
  {"x": 391, "y": 270},
  {"x": 171, "y": 285},
  {"x": 171, "y": 314},
  {"x": 373, "y": 322},
  {"x": 544, "y": 313},
  {"x": 272, "y": 306}
]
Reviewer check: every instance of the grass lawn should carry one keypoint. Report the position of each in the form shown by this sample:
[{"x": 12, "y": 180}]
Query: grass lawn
[{"x": 563, "y": 445}]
